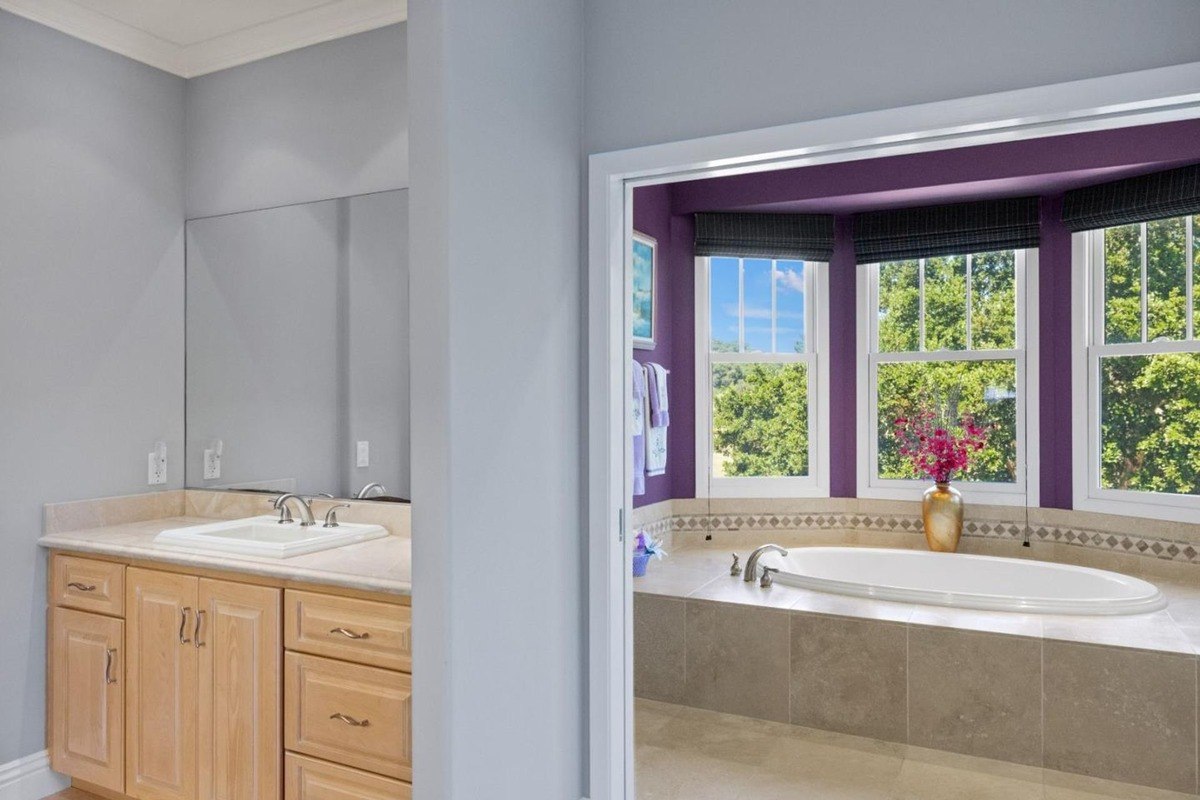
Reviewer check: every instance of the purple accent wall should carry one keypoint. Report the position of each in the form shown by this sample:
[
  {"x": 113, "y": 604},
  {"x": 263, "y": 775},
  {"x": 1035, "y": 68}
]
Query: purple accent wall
[
  {"x": 1045, "y": 167},
  {"x": 1054, "y": 354},
  {"x": 674, "y": 337},
  {"x": 843, "y": 361}
]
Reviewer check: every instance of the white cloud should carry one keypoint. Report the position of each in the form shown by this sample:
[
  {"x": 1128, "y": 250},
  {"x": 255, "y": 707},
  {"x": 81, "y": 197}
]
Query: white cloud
[{"x": 790, "y": 279}]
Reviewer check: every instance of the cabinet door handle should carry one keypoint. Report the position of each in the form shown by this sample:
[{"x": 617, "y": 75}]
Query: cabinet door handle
[
  {"x": 183, "y": 617},
  {"x": 108, "y": 664},
  {"x": 349, "y": 634},
  {"x": 83, "y": 587},
  {"x": 199, "y": 622},
  {"x": 366, "y": 723}
]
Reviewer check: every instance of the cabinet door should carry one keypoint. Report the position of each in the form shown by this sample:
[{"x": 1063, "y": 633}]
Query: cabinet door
[
  {"x": 163, "y": 679},
  {"x": 87, "y": 736},
  {"x": 238, "y": 639}
]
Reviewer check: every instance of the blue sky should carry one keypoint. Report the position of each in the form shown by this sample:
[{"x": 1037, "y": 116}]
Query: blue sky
[{"x": 789, "y": 299}]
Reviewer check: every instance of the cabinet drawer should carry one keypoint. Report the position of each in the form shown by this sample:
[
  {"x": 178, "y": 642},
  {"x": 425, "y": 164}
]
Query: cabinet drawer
[
  {"x": 97, "y": 586},
  {"x": 309, "y": 779},
  {"x": 347, "y": 713},
  {"x": 363, "y": 631}
]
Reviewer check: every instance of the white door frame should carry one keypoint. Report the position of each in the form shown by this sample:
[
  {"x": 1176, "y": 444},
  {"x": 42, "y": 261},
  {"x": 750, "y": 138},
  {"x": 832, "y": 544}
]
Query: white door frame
[{"x": 1138, "y": 98}]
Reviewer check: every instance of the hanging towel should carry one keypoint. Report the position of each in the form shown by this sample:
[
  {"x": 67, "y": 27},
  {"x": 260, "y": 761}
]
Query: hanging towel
[
  {"x": 656, "y": 386},
  {"x": 638, "y": 382},
  {"x": 656, "y": 438}
]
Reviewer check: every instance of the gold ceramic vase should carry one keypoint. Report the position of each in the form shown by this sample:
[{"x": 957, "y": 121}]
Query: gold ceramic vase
[{"x": 942, "y": 510}]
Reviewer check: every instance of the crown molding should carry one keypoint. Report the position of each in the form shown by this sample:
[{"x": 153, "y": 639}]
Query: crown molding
[{"x": 321, "y": 24}]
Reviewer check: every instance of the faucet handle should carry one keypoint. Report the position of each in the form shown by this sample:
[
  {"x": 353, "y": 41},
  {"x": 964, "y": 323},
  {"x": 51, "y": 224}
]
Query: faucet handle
[
  {"x": 736, "y": 568},
  {"x": 285, "y": 513},
  {"x": 766, "y": 580},
  {"x": 331, "y": 515}
]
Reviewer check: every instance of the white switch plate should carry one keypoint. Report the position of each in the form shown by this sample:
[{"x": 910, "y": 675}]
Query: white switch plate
[
  {"x": 212, "y": 464},
  {"x": 364, "y": 454},
  {"x": 156, "y": 466}
]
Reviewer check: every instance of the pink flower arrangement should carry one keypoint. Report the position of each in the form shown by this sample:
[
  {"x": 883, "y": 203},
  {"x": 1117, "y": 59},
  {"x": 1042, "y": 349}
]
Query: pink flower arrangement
[{"x": 934, "y": 449}]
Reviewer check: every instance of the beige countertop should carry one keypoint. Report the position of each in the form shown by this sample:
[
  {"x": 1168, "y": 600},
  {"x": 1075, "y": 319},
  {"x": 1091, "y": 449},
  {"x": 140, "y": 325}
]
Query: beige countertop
[{"x": 379, "y": 565}]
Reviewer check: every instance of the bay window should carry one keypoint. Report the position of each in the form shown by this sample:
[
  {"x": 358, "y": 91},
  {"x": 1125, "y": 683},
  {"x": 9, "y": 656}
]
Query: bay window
[{"x": 950, "y": 334}]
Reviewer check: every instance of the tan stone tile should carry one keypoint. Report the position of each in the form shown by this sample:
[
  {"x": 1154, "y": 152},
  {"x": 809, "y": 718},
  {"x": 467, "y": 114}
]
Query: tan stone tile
[
  {"x": 849, "y": 675},
  {"x": 928, "y": 775},
  {"x": 1124, "y": 715},
  {"x": 975, "y": 693},
  {"x": 1155, "y": 631},
  {"x": 1065, "y": 786},
  {"x": 1028, "y": 625},
  {"x": 731, "y": 589},
  {"x": 658, "y": 647},
  {"x": 737, "y": 659},
  {"x": 846, "y": 606}
]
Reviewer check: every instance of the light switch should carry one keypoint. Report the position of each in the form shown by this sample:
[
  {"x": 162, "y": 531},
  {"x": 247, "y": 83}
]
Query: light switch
[{"x": 364, "y": 454}]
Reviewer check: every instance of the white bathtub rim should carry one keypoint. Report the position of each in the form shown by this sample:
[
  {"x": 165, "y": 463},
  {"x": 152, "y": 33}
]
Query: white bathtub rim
[{"x": 1152, "y": 600}]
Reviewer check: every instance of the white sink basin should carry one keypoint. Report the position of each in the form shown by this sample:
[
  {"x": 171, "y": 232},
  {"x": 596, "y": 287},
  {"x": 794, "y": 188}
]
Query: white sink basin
[{"x": 264, "y": 536}]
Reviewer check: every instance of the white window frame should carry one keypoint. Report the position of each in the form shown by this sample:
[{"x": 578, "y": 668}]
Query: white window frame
[
  {"x": 816, "y": 483},
  {"x": 1026, "y": 489},
  {"x": 1088, "y": 348}
]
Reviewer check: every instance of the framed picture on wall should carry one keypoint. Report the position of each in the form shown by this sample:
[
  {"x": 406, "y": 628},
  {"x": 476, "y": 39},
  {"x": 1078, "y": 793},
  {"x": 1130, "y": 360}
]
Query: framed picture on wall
[{"x": 645, "y": 290}]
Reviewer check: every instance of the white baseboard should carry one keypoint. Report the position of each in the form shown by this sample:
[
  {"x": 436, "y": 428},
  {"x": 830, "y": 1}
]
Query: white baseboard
[{"x": 30, "y": 778}]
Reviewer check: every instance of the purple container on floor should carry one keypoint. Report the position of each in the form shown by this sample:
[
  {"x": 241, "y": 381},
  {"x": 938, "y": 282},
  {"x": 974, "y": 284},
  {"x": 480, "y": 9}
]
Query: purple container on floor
[{"x": 640, "y": 559}]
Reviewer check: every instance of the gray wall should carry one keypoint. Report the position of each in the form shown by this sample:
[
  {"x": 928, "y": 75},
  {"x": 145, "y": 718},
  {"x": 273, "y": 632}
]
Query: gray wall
[
  {"x": 667, "y": 70},
  {"x": 496, "y": 327},
  {"x": 327, "y": 121},
  {"x": 91, "y": 286}
]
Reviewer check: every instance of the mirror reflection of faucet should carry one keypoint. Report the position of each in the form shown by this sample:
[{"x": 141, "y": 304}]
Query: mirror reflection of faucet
[{"x": 365, "y": 492}]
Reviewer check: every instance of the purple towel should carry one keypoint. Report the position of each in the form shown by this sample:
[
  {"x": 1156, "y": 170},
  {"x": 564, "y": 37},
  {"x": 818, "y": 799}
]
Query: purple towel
[
  {"x": 638, "y": 383},
  {"x": 656, "y": 376}
]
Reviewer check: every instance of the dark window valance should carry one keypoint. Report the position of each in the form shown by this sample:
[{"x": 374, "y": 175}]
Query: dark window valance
[
  {"x": 1172, "y": 193},
  {"x": 804, "y": 236},
  {"x": 946, "y": 230}
]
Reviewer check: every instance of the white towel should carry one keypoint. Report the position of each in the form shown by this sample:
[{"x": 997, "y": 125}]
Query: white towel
[
  {"x": 638, "y": 398},
  {"x": 656, "y": 385},
  {"x": 656, "y": 443}
]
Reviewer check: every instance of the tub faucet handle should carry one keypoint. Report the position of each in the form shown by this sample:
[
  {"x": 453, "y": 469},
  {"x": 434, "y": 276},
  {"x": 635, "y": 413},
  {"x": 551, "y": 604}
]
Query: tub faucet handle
[
  {"x": 766, "y": 580},
  {"x": 736, "y": 569}
]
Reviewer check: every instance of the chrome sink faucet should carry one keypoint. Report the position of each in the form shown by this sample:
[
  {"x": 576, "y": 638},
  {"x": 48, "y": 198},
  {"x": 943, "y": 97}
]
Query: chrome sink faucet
[
  {"x": 302, "y": 507},
  {"x": 751, "y": 573},
  {"x": 365, "y": 492}
]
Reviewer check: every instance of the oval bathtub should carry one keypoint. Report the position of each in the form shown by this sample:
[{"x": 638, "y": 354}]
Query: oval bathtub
[{"x": 965, "y": 581}]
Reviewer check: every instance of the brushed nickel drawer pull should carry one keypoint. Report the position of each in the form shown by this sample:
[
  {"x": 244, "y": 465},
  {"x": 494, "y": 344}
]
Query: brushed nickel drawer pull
[
  {"x": 108, "y": 664},
  {"x": 83, "y": 587},
  {"x": 349, "y": 634},
  {"x": 366, "y": 723},
  {"x": 199, "y": 623},
  {"x": 183, "y": 615}
]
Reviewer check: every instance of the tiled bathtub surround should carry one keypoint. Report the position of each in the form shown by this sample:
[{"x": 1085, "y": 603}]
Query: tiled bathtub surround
[
  {"x": 1033, "y": 690},
  {"x": 742, "y": 521}
]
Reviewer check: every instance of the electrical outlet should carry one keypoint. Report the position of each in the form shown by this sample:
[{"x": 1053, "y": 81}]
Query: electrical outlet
[
  {"x": 364, "y": 454},
  {"x": 212, "y": 464},
  {"x": 156, "y": 472}
]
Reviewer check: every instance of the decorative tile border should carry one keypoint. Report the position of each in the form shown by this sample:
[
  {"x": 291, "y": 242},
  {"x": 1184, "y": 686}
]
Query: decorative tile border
[{"x": 1124, "y": 543}]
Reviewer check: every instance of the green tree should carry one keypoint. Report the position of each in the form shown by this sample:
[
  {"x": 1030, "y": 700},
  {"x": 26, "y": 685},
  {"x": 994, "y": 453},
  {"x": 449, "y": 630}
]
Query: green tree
[{"x": 760, "y": 419}]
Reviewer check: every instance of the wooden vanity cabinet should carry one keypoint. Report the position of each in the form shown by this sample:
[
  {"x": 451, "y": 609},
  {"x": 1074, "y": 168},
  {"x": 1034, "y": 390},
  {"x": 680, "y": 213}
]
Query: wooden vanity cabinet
[
  {"x": 87, "y": 701},
  {"x": 204, "y": 688},
  {"x": 184, "y": 698}
]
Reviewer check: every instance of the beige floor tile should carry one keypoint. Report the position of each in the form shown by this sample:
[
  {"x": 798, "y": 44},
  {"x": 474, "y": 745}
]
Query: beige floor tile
[
  {"x": 1065, "y": 786},
  {"x": 948, "y": 777}
]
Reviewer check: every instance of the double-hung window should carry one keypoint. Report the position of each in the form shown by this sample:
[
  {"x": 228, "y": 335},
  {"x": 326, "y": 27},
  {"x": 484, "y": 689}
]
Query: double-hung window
[
  {"x": 1137, "y": 368},
  {"x": 761, "y": 378},
  {"x": 951, "y": 335}
]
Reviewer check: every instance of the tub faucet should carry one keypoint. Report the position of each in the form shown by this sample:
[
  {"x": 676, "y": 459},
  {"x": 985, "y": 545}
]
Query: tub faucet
[
  {"x": 302, "y": 506},
  {"x": 751, "y": 573}
]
